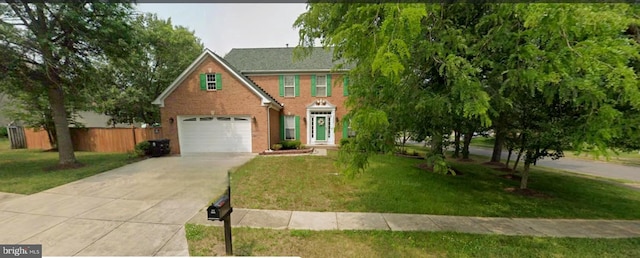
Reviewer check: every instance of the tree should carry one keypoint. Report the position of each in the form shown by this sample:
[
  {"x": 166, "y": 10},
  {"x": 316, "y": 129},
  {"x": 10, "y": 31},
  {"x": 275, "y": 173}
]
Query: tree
[
  {"x": 401, "y": 50},
  {"x": 53, "y": 48},
  {"x": 133, "y": 82}
]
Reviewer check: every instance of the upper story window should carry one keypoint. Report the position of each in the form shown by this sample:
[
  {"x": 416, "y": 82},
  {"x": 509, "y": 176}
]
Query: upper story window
[
  {"x": 211, "y": 81},
  {"x": 289, "y": 86},
  {"x": 321, "y": 86}
]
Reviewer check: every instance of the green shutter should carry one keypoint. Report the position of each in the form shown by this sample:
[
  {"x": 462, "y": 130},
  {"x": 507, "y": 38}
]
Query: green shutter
[
  {"x": 281, "y": 85},
  {"x": 297, "y": 88},
  {"x": 345, "y": 85},
  {"x": 328, "y": 85},
  {"x": 297, "y": 118},
  {"x": 218, "y": 81},
  {"x": 345, "y": 128},
  {"x": 313, "y": 85},
  {"x": 282, "y": 128},
  {"x": 203, "y": 81}
]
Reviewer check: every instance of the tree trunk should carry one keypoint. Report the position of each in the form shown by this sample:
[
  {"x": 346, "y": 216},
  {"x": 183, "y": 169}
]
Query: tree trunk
[
  {"x": 467, "y": 141},
  {"x": 63, "y": 134},
  {"x": 456, "y": 142},
  {"x": 509, "y": 157},
  {"x": 525, "y": 175},
  {"x": 496, "y": 156},
  {"x": 517, "y": 160},
  {"x": 436, "y": 144}
]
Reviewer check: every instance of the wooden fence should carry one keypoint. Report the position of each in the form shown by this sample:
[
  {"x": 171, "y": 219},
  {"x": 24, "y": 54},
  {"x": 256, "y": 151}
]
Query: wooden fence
[
  {"x": 96, "y": 139},
  {"x": 16, "y": 137}
]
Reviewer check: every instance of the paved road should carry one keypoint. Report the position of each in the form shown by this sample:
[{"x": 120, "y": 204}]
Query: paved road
[
  {"x": 136, "y": 210},
  {"x": 587, "y": 167}
]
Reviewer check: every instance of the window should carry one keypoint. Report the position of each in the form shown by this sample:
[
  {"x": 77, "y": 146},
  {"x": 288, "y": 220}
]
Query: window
[
  {"x": 211, "y": 81},
  {"x": 289, "y": 128},
  {"x": 321, "y": 86},
  {"x": 190, "y": 119},
  {"x": 289, "y": 86},
  {"x": 224, "y": 118},
  {"x": 206, "y": 118}
]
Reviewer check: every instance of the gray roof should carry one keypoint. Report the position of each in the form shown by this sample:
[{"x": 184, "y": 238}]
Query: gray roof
[{"x": 280, "y": 59}]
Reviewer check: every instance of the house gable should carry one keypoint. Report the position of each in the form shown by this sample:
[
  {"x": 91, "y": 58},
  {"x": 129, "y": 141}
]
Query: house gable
[{"x": 265, "y": 98}]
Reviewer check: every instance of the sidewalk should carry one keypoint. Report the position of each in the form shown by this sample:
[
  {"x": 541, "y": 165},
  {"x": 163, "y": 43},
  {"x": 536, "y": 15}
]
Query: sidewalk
[{"x": 277, "y": 219}]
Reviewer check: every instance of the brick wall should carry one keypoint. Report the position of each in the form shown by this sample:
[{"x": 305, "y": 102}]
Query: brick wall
[
  {"x": 234, "y": 99},
  {"x": 298, "y": 105}
]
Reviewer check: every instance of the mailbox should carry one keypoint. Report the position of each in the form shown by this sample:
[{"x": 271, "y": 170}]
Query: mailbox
[{"x": 219, "y": 209}]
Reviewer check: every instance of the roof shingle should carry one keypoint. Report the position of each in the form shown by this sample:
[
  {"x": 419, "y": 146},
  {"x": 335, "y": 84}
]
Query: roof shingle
[{"x": 279, "y": 59}]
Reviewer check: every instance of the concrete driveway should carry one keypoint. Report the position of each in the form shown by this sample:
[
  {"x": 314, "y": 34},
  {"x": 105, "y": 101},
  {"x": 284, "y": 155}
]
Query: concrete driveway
[{"x": 136, "y": 210}]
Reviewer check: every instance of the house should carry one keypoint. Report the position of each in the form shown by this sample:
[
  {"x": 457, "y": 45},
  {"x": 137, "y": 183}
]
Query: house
[{"x": 252, "y": 99}]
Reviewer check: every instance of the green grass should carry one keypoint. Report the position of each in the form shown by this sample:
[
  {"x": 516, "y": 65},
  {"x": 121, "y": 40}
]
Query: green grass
[
  {"x": 395, "y": 184},
  {"x": 209, "y": 241},
  {"x": 481, "y": 141},
  {"x": 23, "y": 171}
]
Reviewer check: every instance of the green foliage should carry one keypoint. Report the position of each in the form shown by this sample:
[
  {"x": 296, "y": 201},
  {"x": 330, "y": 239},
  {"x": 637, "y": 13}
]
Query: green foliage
[
  {"x": 142, "y": 149},
  {"x": 276, "y": 146},
  {"x": 51, "y": 54},
  {"x": 344, "y": 141},
  {"x": 3, "y": 132},
  {"x": 553, "y": 75},
  {"x": 290, "y": 144},
  {"x": 162, "y": 52}
]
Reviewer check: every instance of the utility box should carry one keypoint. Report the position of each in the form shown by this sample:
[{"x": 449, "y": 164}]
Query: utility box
[{"x": 219, "y": 209}]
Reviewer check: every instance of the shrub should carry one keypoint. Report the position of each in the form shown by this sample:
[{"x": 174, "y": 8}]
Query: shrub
[
  {"x": 344, "y": 141},
  {"x": 302, "y": 146},
  {"x": 142, "y": 149},
  {"x": 3, "y": 132},
  {"x": 290, "y": 145},
  {"x": 276, "y": 146}
]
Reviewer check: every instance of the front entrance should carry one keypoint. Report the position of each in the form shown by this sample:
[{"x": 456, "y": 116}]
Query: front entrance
[
  {"x": 321, "y": 120},
  {"x": 321, "y": 128}
]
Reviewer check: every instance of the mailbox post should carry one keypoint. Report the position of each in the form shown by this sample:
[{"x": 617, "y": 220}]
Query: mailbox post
[{"x": 221, "y": 210}]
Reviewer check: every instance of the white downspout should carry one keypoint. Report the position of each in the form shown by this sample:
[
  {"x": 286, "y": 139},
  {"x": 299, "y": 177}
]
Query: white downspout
[{"x": 268, "y": 127}]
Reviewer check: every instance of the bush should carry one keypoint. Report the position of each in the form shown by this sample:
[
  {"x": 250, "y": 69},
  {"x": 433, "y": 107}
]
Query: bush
[
  {"x": 3, "y": 132},
  {"x": 290, "y": 145},
  {"x": 142, "y": 149},
  {"x": 276, "y": 146},
  {"x": 344, "y": 141}
]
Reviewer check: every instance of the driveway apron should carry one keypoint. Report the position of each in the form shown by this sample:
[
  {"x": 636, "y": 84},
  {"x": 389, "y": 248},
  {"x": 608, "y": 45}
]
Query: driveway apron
[{"x": 136, "y": 210}]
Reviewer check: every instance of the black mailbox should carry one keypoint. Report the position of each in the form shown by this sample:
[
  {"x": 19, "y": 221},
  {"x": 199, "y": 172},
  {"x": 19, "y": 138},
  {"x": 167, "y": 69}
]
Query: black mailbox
[{"x": 219, "y": 209}]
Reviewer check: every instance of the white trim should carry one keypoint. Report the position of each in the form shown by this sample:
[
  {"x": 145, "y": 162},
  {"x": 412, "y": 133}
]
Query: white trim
[
  {"x": 160, "y": 99},
  {"x": 327, "y": 107},
  {"x": 299, "y": 71}
]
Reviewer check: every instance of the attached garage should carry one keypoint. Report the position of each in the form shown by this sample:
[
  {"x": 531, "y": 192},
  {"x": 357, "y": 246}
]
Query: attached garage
[{"x": 199, "y": 134}]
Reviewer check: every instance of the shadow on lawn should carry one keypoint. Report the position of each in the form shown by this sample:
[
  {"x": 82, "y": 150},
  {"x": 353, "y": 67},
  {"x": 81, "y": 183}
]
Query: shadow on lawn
[{"x": 394, "y": 184}]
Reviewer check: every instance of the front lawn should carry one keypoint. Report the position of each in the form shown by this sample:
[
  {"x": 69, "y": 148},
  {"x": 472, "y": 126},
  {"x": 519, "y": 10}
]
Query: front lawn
[
  {"x": 23, "y": 171},
  {"x": 209, "y": 241},
  {"x": 396, "y": 185}
]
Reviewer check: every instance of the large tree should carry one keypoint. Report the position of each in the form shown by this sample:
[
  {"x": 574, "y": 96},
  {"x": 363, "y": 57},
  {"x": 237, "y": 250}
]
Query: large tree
[
  {"x": 163, "y": 51},
  {"x": 53, "y": 48},
  {"x": 486, "y": 61}
]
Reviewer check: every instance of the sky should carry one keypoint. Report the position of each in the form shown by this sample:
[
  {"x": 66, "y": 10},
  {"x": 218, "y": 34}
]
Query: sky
[{"x": 222, "y": 27}]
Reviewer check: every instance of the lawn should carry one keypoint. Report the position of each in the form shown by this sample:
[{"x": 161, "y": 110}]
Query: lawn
[
  {"x": 23, "y": 171},
  {"x": 395, "y": 184},
  {"x": 209, "y": 241}
]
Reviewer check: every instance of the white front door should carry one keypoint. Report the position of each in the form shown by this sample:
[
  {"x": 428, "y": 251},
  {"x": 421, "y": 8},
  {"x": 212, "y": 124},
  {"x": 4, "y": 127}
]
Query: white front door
[{"x": 321, "y": 127}]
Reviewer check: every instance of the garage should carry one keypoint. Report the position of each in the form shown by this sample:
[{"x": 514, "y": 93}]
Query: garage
[{"x": 198, "y": 134}]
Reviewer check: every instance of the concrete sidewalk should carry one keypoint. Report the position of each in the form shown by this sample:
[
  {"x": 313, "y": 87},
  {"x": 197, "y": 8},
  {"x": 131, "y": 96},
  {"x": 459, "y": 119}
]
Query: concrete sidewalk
[{"x": 277, "y": 219}]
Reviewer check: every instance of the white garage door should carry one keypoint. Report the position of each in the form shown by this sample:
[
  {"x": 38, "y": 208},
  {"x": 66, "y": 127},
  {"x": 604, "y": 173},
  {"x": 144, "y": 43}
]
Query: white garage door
[{"x": 214, "y": 134}]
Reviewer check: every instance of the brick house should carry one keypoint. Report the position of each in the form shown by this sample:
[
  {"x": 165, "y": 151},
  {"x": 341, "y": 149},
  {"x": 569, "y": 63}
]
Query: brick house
[{"x": 252, "y": 99}]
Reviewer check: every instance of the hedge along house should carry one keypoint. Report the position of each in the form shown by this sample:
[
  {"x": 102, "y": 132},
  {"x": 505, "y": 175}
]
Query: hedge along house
[{"x": 252, "y": 99}]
